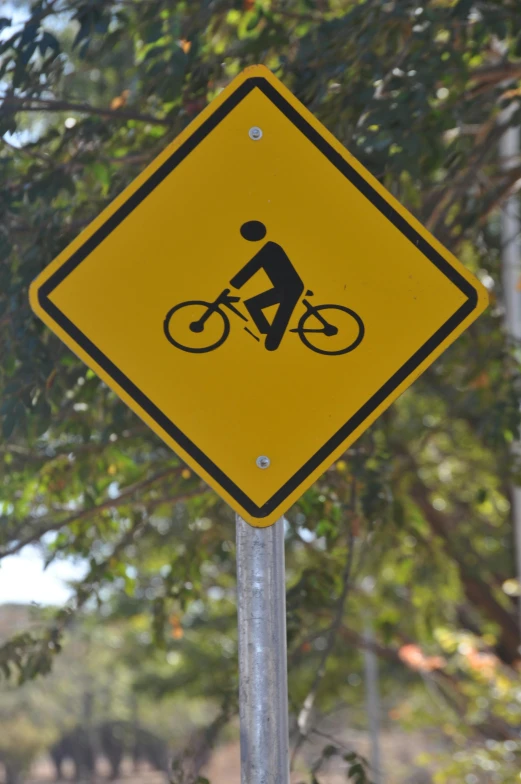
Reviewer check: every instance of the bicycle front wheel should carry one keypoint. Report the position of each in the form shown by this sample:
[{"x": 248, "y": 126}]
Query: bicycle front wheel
[
  {"x": 184, "y": 327},
  {"x": 349, "y": 333}
]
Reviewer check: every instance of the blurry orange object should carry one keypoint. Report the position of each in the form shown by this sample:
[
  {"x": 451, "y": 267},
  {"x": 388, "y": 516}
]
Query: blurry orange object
[
  {"x": 413, "y": 656},
  {"x": 120, "y": 100},
  {"x": 177, "y": 629}
]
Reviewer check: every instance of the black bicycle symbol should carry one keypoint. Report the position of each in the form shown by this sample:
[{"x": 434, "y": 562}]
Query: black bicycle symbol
[{"x": 195, "y": 316}]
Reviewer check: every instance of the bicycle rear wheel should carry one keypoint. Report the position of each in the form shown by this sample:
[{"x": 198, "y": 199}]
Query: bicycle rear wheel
[{"x": 349, "y": 335}]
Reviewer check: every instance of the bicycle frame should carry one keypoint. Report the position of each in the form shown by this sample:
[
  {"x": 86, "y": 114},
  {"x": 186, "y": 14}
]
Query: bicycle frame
[{"x": 224, "y": 299}]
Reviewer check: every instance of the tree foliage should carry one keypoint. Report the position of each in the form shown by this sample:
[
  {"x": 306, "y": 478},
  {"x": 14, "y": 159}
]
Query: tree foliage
[{"x": 91, "y": 91}]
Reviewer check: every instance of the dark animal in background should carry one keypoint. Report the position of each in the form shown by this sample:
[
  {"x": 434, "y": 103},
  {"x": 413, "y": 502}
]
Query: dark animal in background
[
  {"x": 76, "y": 746},
  {"x": 113, "y": 740},
  {"x": 152, "y": 749}
]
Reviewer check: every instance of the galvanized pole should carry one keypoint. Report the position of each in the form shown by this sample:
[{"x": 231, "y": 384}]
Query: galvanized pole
[
  {"x": 263, "y": 684},
  {"x": 509, "y": 148},
  {"x": 373, "y": 703}
]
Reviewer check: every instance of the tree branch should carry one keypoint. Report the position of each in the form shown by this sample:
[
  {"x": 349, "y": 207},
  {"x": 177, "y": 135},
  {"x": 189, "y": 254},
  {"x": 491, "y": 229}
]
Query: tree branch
[
  {"x": 496, "y": 73},
  {"x": 508, "y": 187},
  {"x": 186, "y": 768},
  {"x": 86, "y": 513},
  {"x": 446, "y": 682},
  {"x": 11, "y": 105},
  {"x": 461, "y": 185},
  {"x": 477, "y": 591}
]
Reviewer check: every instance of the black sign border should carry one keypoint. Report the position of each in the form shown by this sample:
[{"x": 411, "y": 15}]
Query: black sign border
[{"x": 336, "y": 159}]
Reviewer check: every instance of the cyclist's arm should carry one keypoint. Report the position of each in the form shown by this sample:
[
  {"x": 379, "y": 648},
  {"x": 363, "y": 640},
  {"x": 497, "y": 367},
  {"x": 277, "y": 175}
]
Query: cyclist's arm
[{"x": 248, "y": 271}]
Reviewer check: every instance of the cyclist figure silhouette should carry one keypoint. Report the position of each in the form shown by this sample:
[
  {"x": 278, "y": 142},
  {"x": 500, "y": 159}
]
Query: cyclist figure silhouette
[
  {"x": 199, "y": 326},
  {"x": 287, "y": 285}
]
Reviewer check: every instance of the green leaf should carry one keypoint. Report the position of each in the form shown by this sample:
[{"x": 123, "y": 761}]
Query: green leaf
[
  {"x": 517, "y": 46},
  {"x": 329, "y": 751},
  {"x": 102, "y": 174}
]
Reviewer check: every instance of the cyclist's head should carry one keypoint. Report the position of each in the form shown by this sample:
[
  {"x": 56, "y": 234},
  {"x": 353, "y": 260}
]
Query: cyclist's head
[{"x": 253, "y": 231}]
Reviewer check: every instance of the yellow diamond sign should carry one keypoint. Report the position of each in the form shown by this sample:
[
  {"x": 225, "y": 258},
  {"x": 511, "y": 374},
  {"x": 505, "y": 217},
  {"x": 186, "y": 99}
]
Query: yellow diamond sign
[{"x": 257, "y": 297}]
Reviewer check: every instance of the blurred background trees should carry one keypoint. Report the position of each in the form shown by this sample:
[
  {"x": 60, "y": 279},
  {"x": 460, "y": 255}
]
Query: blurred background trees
[{"x": 418, "y": 508}]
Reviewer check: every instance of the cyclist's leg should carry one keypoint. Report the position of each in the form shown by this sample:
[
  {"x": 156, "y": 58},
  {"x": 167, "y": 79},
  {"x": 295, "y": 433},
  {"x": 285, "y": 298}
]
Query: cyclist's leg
[
  {"x": 255, "y": 306},
  {"x": 288, "y": 301}
]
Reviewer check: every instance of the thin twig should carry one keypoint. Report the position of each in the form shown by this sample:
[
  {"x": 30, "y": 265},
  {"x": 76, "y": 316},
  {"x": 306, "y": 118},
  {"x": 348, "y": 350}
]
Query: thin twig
[
  {"x": 305, "y": 712},
  {"x": 509, "y": 187}
]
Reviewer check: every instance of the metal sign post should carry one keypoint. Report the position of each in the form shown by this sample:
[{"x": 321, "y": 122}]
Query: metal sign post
[
  {"x": 509, "y": 150},
  {"x": 373, "y": 702},
  {"x": 263, "y": 682}
]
